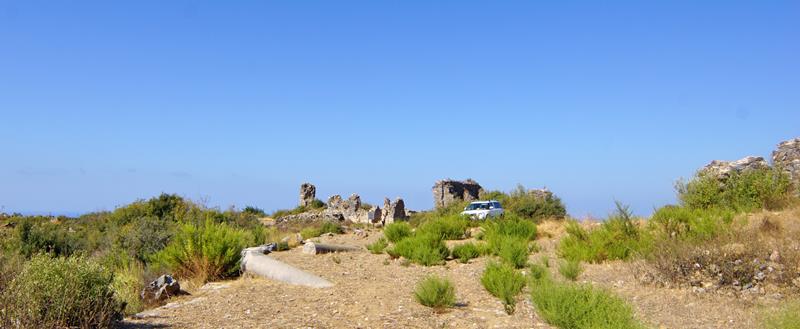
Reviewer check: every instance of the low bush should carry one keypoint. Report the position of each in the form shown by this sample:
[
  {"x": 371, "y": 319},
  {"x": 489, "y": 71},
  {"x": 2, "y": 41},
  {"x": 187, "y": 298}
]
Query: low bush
[
  {"x": 205, "y": 252},
  {"x": 538, "y": 272},
  {"x": 326, "y": 227},
  {"x": 450, "y": 227},
  {"x": 397, "y": 231},
  {"x": 378, "y": 246},
  {"x": 423, "y": 249},
  {"x": 465, "y": 252},
  {"x": 692, "y": 223},
  {"x": 787, "y": 316},
  {"x": 503, "y": 282},
  {"x": 510, "y": 226},
  {"x": 60, "y": 293},
  {"x": 570, "y": 269},
  {"x": 317, "y": 204},
  {"x": 743, "y": 191},
  {"x": 619, "y": 237},
  {"x": 510, "y": 249},
  {"x": 568, "y": 305},
  {"x": 435, "y": 292},
  {"x": 527, "y": 204}
]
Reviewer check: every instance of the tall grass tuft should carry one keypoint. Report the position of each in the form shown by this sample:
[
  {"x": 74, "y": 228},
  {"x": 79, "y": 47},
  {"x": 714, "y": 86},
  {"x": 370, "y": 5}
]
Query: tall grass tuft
[
  {"x": 435, "y": 292},
  {"x": 394, "y": 232},
  {"x": 378, "y": 246},
  {"x": 570, "y": 269},
  {"x": 568, "y": 305},
  {"x": 619, "y": 237},
  {"x": 503, "y": 282},
  {"x": 60, "y": 293},
  {"x": 450, "y": 227},
  {"x": 465, "y": 252},
  {"x": 423, "y": 249},
  {"x": 205, "y": 252}
]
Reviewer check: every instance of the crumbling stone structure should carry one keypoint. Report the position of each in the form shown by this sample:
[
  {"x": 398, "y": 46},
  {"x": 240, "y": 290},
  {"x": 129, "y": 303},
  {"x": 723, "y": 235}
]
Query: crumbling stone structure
[
  {"x": 393, "y": 211},
  {"x": 447, "y": 192},
  {"x": 787, "y": 159},
  {"x": 308, "y": 193},
  {"x": 721, "y": 170}
]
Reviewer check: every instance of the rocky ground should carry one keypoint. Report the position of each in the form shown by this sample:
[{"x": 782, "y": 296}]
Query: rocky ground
[{"x": 372, "y": 291}]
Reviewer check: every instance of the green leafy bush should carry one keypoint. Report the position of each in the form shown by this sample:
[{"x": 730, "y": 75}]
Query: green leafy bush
[
  {"x": 567, "y": 305},
  {"x": 570, "y": 269},
  {"x": 37, "y": 234},
  {"x": 504, "y": 282},
  {"x": 538, "y": 272},
  {"x": 435, "y": 292},
  {"x": 450, "y": 227},
  {"x": 423, "y": 249},
  {"x": 619, "y": 237},
  {"x": 741, "y": 191},
  {"x": 787, "y": 316},
  {"x": 692, "y": 223},
  {"x": 208, "y": 251},
  {"x": 394, "y": 232},
  {"x": 378, "y": 246},
  {"x": 59, "y": 293},
  {"x": 465, "y": 252}
]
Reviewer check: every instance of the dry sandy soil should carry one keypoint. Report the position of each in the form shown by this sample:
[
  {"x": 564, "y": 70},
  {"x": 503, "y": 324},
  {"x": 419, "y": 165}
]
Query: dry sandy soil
[{"x": 372, "y": 291}]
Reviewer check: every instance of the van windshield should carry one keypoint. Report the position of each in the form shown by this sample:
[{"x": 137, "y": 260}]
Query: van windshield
[{"x": 477, "y": 206}]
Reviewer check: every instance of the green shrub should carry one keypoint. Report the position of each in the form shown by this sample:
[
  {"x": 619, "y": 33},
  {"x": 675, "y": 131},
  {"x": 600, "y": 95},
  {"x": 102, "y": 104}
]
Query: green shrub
[
  {"x": 255, "y": 211},
  {"x": 504, "y": 282},
  {"x": 435, "y": 292},
  {"x": 570, "y": 269},
  {"x": 619, "y": 237},
  {"x": 465, "y": 252},
  {"x": 209, "y": 251},
  {"x": 538, "y": 272},
  {"x": 787, "y": 316},
  {"x": 511, "y": 225},
  {"x": 512, "y": 250},
  {"x": 37, "y": 235},
  {"x": 528, "y": 205},
  {"x": 567, "y": 305},
  {"x": 423, "y": 249},
  {"x": 394, "y": 232},
  {"x": 692, "y": 223},
  {"x": 59, "y": 293},
  {"x": 450, "y": 227},
  {"x": 378, "y": 246},
  {"x": 742, "y": 191},
  {"x": 326, "y": 227}
]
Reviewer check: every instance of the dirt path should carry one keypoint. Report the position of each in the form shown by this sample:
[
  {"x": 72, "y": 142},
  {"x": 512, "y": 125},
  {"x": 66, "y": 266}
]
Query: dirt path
[{"x": 372, "y": 291}]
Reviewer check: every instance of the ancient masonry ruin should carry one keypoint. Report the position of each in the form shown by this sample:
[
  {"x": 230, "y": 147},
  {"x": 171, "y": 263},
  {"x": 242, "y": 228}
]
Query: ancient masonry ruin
[
  {"x": 447, "y": 192},
  {"x": 786, "y": 158},
  {"x": 308, "y": 193},
  {"x": 339, "y": 209}
]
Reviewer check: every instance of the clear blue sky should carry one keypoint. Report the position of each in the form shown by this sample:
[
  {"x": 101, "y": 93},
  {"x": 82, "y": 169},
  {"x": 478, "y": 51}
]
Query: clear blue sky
[{"x": 237, "y": 103}]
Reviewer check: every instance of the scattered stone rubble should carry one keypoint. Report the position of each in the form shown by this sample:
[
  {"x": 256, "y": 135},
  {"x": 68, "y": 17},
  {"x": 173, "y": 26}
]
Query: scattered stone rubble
[
  {"x": 160, "y": 289},
  {"x": 447, "y": 192}
]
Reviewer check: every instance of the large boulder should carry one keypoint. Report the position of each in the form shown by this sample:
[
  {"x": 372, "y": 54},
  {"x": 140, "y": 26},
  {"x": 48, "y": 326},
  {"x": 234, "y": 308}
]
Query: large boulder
[
  {"x": 308, "y": 193},
  {"x": 447, "y": 192},
  {"x": 160, "y": 289},
  {"x": 787, "y": 159},
  {"x": 721, "y": 170}
]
